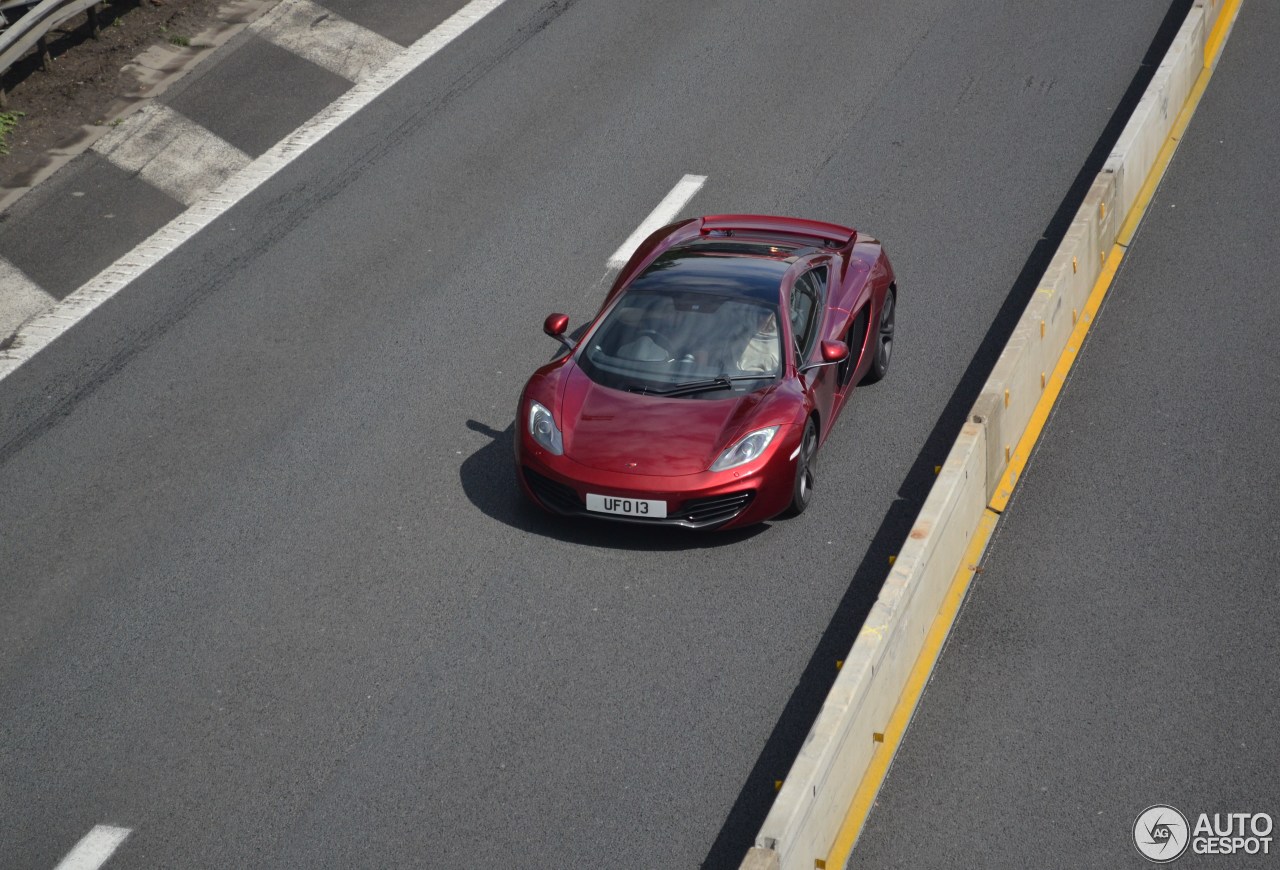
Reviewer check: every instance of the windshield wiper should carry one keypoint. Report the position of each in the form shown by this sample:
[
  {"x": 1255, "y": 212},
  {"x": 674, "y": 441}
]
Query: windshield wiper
[{"x": 722, "y": 382}]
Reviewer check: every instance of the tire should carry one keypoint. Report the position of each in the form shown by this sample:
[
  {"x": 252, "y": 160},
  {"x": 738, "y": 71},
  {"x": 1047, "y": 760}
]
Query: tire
[
  {"x": 802, "y": 486},
  {"x": 884, "y": 339}
]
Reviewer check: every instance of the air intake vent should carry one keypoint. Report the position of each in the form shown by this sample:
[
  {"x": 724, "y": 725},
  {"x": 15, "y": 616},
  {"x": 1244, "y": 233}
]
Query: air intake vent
[
  {"x": 554, "y": 495},
  {"x": 717, "y": 509}
]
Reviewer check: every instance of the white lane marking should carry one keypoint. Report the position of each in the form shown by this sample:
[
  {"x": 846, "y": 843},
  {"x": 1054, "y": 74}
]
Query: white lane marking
[
  {"x": 94, "y": 849},
  {"x": 20, "y": 298},
  {"x": 325, "y": 39},
  {"x": 172, "y": 152},
  {"x": 665, "y": 213},
  {"x": 42, "y": 330}
]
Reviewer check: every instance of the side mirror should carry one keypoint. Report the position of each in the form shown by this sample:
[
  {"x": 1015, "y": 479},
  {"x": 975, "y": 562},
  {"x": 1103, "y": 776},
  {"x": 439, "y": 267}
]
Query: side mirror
[
  {"x": 555, "y": 325},
  {"x": 834, "y": 351}
]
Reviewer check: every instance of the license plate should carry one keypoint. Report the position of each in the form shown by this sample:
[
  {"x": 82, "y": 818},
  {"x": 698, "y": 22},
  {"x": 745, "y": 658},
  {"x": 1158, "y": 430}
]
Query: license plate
[{"x": 627, "y": 507}]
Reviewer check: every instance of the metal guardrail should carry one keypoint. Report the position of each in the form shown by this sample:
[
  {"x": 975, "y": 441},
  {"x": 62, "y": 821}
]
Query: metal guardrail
[{"x": 23, "y": 34}]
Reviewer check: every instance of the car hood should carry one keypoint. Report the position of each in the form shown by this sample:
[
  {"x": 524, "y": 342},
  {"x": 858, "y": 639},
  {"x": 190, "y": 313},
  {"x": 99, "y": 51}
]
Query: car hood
[{"x": 632, "y": 433}]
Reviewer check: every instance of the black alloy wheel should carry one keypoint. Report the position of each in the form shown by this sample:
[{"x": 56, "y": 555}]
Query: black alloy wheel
[
  {"x": 802, "y": 488},
  {"x": 884, "y": 340}
]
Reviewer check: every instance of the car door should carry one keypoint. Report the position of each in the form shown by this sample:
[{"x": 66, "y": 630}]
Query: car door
[
  {"x": 808, "y": 313},
  {"x": 854, "y": 299}
]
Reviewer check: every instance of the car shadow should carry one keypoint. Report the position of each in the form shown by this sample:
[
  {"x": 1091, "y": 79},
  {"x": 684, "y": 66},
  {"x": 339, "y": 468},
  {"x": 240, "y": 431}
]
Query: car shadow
[{"x": 489, "y": 481}]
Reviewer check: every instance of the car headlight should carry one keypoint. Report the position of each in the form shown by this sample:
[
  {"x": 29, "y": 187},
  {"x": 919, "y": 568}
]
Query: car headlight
[
  {"x": 543, "y": 429},
  {"x": 745, "y": 449}
]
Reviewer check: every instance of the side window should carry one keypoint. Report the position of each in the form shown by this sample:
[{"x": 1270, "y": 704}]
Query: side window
[{"x": 806, "y": 309}]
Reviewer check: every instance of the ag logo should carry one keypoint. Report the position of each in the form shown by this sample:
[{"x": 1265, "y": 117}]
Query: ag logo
[{"x": 1161, "y": 834}]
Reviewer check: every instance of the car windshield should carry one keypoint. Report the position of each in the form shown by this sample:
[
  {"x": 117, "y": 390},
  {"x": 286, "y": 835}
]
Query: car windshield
[{"x": 680, "y": 341}]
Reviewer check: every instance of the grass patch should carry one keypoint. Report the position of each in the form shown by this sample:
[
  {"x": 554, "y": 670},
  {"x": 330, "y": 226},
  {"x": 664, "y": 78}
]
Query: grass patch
[
  {"x": 8, "y": 120},
  {"x": 184, "y": 41}
]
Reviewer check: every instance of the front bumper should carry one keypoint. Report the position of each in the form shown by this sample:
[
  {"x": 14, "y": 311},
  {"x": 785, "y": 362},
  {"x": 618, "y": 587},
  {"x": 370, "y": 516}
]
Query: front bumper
[{"x": 709, "y": 500}]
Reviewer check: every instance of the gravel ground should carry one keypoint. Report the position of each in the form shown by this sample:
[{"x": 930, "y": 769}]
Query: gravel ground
[{"x": 83, "y": 82}]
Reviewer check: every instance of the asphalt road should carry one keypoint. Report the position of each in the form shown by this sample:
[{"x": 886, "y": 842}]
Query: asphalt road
[
  {"x": 270, "y": 595},
  {"x": 1119, "y": 649}
]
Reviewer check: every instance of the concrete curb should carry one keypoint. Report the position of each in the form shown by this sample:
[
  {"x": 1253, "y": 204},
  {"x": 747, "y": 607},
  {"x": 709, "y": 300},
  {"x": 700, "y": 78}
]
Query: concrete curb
[
  {"x": 153, "y": 71},
  {"x": 981, "y": 469},
  {"x": 128, "y": 124},
  {"x": 155, "y": 156},
  {"x": 43, "y": 329}
]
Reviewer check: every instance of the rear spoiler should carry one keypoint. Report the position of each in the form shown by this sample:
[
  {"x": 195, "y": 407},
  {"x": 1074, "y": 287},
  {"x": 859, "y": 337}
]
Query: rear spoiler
[{"x": 828, "y": 235}]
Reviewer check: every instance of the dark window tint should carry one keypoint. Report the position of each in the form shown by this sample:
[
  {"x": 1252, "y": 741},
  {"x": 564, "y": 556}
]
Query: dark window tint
[
  {"x": 806, "y": 309},
  {"x": 661, "y": 339}
]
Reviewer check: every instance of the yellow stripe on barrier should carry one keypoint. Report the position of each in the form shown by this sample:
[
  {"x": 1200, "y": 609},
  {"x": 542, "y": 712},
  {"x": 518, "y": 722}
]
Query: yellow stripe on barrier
[
  {"x": 920, "y": 672},
  {"x": 1212, "y": 48},
  {"x": 1163, "y": 158},
  {"x": 939, "y": 630},
  {"x": 1022, "y": 452},
  {"x": 1218, "y": 35}
]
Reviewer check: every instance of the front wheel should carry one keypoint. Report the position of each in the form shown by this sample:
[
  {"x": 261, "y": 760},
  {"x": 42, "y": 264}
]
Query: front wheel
[
  {"x": 884, "y": 339},
  {"x": 802, "y": 487}
]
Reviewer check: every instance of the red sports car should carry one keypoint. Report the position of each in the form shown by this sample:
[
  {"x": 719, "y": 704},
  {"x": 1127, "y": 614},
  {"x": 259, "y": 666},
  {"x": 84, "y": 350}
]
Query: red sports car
[{"x": 718, "y": 363}]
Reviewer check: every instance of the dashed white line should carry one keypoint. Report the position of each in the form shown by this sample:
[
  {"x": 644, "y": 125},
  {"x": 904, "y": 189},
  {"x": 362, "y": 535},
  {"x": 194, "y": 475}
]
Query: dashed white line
[
  {"x": 665, "y": 212},
  {"x": 45, "y": 328},
  {"x": 325, "y": 39},
  {"x": 171, "y": 152},
  {"x": 94, "y": 848},
  {"x": 22, "y": 297}
]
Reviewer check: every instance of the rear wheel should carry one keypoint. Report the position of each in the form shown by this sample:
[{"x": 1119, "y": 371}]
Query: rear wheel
[
  {"x": 884, "y": 339},
  {"x": 802, "y": 488}
]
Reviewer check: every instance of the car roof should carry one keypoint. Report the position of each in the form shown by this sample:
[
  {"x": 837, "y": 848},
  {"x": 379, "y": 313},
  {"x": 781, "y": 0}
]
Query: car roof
[{"x": 752, "y": 270}]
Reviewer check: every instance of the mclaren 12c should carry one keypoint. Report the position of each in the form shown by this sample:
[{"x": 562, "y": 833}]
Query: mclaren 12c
[{"x": 721, "y": 358}]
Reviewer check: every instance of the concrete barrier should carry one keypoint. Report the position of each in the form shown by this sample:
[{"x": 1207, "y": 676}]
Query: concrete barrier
[
  {"x": 811, "y": 806},
  {"x": 812, "y": 803},
  {"x": 1145, "y": 134}
]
